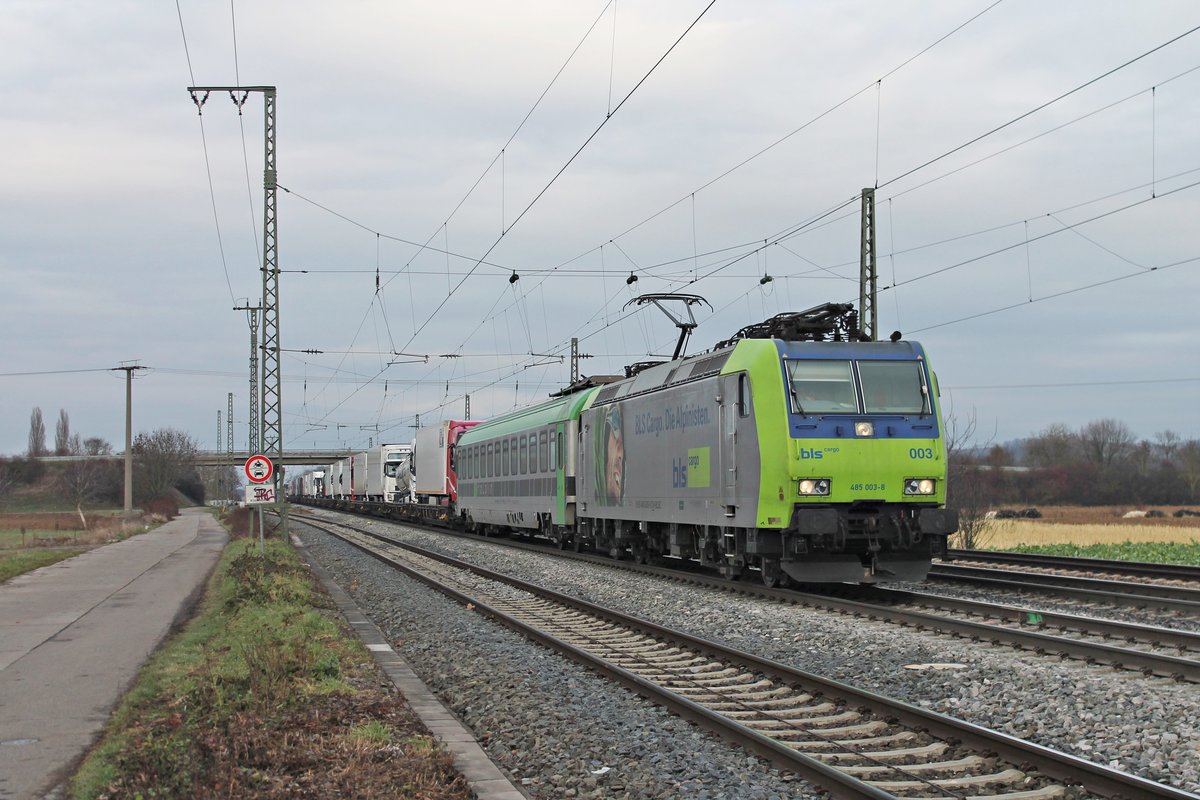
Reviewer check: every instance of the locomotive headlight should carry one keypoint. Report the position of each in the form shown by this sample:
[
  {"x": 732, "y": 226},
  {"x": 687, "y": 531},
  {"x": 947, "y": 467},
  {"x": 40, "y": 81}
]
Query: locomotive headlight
[
  {"x": 920, "y": 486},
  {"x": 814, "y": 486},
  {"x": 864, "y": 429}
]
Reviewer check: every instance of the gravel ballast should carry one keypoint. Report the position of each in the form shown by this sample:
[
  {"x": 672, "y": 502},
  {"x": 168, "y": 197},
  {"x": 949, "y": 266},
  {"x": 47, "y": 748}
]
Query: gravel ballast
[{"x": 563, "y": 732}]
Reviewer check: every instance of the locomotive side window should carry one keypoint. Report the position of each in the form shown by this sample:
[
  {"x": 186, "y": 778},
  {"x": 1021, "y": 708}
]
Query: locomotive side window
[
  {"x": 543, "y": 452},
  {"x": 822, "y": 387},
  {"x": 893, "y": 387},
  {"x": 743, "y": 395},
  {"x": 561, "y": 450}
]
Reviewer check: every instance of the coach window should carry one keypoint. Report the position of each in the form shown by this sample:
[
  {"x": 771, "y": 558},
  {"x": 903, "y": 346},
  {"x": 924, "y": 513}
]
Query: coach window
[
  {"x": 491, "y": 461},
  {"x": 512, "y": 455},
  {"x": 523, "y": 458},
  {"x": 743, "y": 395},
  {"x": 543, "y": 452},
  {"x": 553, "y": 453},
  {"x": 474, "y": 462},
  {"x": 504, "y": 456},
  {"x": 535, "y": 463}
]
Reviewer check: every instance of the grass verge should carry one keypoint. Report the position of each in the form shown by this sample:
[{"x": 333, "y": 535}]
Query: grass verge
[
  {"x": 265, "y": 694},
  {"x": 17, "y": 562}
]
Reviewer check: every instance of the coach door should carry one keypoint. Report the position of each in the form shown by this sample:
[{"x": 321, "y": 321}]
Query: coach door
[{"x": 731, "y": 399}]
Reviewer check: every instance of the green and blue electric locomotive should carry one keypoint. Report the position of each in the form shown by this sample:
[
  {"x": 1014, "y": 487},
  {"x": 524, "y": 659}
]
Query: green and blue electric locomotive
[{"x": 793, "y": 450}]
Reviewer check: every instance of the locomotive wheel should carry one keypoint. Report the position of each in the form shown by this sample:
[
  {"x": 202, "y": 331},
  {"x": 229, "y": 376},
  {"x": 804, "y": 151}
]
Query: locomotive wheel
[{"x": 773, "y": 577}]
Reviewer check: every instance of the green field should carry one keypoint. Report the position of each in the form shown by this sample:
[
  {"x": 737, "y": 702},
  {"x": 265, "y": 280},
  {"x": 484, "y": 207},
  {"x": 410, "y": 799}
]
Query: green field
[
  {"x": 12, "y": 538},
  {"x": 1151, "y": 552}
]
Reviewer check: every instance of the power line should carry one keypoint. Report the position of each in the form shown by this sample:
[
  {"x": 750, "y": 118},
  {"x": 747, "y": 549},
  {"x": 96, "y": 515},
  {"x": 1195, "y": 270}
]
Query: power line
[
  {"x": 207, "y": 165},
  {"x": 1071, "y": 385},
  {"x": 1127, "y": 276},
  {"x": 1045, "y": 105},
  {"x": 52, "y": 372},
  {"x": 564, "y": 167}
]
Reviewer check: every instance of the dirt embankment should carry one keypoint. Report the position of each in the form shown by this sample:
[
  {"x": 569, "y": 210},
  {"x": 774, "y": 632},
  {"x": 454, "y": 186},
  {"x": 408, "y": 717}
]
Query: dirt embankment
[{"x": 58, "y": 521}]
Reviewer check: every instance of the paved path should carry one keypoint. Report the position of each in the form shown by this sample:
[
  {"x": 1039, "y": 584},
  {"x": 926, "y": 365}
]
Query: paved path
[{"x": 74, "y": 634}]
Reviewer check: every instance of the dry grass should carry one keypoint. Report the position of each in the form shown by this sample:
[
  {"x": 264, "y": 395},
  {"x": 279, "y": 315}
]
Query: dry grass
[{"x": 1008, "y": 533}]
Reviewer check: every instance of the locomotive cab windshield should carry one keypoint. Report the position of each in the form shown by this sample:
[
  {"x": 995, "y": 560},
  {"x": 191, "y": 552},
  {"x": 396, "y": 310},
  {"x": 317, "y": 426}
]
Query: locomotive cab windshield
[{"x": 857, "y": 387}]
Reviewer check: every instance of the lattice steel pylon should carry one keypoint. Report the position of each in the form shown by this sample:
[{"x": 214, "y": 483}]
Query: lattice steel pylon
[
  {"x": 229, "y": 428},
  {"x": 271, "y": 417},
  {"x": 255, "y": 395},
  {"x": 868, "y": 314}
]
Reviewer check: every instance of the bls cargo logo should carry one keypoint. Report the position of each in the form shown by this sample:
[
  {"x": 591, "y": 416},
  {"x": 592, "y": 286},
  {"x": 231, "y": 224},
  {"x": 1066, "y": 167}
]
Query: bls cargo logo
[
  {"x": 806, "y": 453},
  {"x": 691, "y": 472}
]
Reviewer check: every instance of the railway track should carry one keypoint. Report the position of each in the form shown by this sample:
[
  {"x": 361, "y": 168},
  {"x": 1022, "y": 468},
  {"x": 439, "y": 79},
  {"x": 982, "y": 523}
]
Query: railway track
[
  {"x": 1125, "y": 593},
  {"x": 1151, "y": 650},
  {"x": 1090, "y": 566},
  {"x": 850, "y": 742}
]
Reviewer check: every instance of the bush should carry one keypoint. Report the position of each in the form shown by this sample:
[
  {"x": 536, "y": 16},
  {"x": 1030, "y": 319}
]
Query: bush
[
  {"x": 24, "y": 471},
  {"x": 164, "y": 506}
]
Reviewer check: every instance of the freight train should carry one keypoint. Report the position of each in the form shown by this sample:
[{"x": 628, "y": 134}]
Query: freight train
[{"x": 793, "y": 450}]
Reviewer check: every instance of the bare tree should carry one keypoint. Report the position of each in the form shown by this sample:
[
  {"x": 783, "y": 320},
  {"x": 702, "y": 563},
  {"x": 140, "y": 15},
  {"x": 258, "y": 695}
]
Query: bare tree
[
  {"x": 1055, "y": 446},
  {"x": 1189, "y": 465},
  {"x": 95, "y": 446},
  {"x": 1106, "y": 442},
  {"x": 163, "y": 458},
  {"x": 37, "y": 434},
  {"x": 62, "y": 434},
  {"x": 1167, "y": 443},
  {"x": 7, "y": 482},
  {"x": 967, "y": 491},
  {"x": 81, "y": 483}
]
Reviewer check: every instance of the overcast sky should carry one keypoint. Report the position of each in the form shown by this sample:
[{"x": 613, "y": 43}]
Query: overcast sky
[{"x": 1038, "y": 200}]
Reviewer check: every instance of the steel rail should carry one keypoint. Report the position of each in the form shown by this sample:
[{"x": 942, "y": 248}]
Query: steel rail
[
  {"x": 837, "y": 783},
  {"x": 1133, "y": 568},
  {"x": 1053, "y": 764},
  {"x": 1138, "y": 595},
  {"x": 1025, "y": 615},
  {"x": 1036, "y": 641}
]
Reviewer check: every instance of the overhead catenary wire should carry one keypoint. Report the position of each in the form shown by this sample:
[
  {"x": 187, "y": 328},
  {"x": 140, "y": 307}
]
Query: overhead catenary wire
[
  {"x": 207, "y": 164},
  {"x": 722, "y": 275}
]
